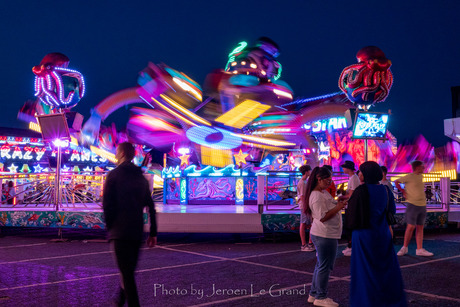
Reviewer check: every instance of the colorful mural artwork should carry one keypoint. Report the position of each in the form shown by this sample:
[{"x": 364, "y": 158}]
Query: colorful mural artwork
[
  {"x": 291, "y": 222},
  {"x": 172, "y": 189},
  {"x": 250, "y": 188},
  {"x": 53, "y": 219},
  {"x": 207, "y": 188}
]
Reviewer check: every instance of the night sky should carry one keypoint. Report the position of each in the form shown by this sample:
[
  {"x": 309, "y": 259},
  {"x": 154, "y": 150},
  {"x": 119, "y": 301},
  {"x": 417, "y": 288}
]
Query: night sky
[{"x": 111, "y": 41}]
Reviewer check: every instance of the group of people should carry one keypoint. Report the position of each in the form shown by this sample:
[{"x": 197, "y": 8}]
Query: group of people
[{"x": 375, "y": 273}]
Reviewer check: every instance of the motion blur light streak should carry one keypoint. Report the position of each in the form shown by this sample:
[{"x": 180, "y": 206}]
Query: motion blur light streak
[
  {"x": 155, "y": 123},
  {"x": 103, "y": 153},
  {"x": 263, "y": 140},
  {"x": 273, "y": 148},
  {"x": 213, "y": 137},
  {"x": 282, "y": 93},
  {"x": 185, "y": 111},
  {"x": 174, "y": 113},
  {"x": 242, "y": 114},
  {"x": 188, "y": 88}
]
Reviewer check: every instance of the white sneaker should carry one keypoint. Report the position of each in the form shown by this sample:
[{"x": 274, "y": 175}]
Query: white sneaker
[
  {"x": 423, "y": 252},
  {"x": 402, "y": 251},
  {"x": 308, "y": 247},
  {"x": 325, "y": 302},
  {"x": 311, "y": 299},
  {"x": 347, "y": 252}
]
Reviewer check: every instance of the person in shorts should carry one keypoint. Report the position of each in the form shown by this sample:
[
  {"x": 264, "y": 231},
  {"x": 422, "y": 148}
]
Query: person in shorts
[
  {"x": 414, "y": 193},
  {"x": 305, "y": 170}
]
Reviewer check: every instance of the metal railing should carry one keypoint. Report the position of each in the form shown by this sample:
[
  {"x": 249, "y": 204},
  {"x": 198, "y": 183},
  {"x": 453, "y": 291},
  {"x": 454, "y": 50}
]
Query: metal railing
[
  {"x": 38, "y": 190},
  {"x": 281, "y": 193}
]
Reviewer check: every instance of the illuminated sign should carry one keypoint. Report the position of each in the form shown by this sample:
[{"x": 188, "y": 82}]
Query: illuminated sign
[
  {"x": 239, "y": 191},
  {"x": 330, "y": 124},
  {"x": 183, "y": 191},
  {"x": 15, "y": 153},
  {"x": 370, "y": 125}
]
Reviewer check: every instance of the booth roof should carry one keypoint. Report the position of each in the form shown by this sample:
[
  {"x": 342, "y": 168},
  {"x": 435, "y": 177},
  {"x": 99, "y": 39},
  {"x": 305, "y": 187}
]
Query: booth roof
[{"x": 18, "y": 132}]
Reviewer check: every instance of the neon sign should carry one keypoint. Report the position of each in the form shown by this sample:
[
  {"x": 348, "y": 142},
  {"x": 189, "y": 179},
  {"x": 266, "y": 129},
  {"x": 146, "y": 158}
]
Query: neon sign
[
  {"x": 55, "y": 84},
  {"x": 239, "y": 191},
  {"x": 330, "y": 124},
  {"x": 183, "y": 191},
  {"x": 18, "y": 154}
]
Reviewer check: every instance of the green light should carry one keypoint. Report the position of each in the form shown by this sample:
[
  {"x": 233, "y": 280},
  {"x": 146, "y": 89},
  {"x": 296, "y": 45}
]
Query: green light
[
  {"x": 231, "y": 55},
  {"x": 279, "y": 71},
  {"x": 183, "y": 190}
]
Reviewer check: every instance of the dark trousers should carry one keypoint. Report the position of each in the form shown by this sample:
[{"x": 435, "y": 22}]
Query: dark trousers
[{"x": 127, "y": 255}]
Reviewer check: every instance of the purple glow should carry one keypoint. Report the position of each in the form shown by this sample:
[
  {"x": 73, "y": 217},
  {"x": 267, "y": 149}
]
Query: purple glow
[{"x": 61, "y": 143}]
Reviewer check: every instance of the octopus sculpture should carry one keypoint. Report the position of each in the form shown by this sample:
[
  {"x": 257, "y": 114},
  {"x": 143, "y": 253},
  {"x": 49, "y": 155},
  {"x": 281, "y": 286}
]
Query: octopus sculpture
[
  {"x": 369, "y": 81},
  {"x": 56, "y": 85}
]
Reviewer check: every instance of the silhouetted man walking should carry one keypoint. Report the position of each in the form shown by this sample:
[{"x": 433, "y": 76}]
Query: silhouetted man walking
[{"x": 126, "y": 193}]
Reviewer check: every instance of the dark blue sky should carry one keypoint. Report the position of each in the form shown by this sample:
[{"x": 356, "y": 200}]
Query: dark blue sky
[{"x": 111, "y": 41}]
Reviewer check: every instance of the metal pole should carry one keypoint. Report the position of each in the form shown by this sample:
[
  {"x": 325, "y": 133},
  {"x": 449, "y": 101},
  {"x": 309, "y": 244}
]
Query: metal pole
[
  {"x": 365, "y": 150},
  {"x": 57, "y": 180}
]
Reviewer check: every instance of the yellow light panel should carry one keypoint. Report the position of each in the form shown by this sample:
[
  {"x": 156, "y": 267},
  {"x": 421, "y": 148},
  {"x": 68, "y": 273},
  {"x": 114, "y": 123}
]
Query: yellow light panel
[
  {"x": 216, "y": 157},
  {"x": 242, "y": 114},
  {"x": 35, "y": 127},
  {"x": 433, "y": 176}
]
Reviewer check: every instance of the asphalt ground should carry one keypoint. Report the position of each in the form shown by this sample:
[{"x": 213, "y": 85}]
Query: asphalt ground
[{"x": 203, "y": 270}]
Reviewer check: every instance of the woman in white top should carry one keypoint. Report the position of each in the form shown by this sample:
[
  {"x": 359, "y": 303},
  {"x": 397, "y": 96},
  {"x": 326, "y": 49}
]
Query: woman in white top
[{"x": 325, "y": 232}]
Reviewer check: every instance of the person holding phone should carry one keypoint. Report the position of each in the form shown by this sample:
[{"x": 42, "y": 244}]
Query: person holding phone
[{"x": 325, "y": 231}]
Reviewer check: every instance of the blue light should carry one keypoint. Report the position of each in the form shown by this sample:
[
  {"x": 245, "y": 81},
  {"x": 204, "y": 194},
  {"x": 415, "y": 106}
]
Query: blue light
[
  {"x": 213, "y": 137},
  {"x": 305, "y": 100}
]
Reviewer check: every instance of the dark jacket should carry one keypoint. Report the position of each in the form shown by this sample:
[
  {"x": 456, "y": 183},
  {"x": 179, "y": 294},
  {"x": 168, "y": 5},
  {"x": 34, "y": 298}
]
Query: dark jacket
[
  {"x": 126, "y": 193},
  {"x": 357, "y": 214}
]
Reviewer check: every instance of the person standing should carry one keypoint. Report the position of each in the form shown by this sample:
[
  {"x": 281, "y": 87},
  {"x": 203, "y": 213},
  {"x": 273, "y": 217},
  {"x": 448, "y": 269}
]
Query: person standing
[
  {"x": 10, "y": 193},
  {"x": 385, "y": 180},
  {"x": 305, "y": 170},
  {"x": 387, "y": 183},
  {"x": 332, "y": 189},
  {"x": 353, "y": 182},
  {"x": 414, "y": 193},
  {"x": 126, "y": 193},
  {"x": 325, "y": 232},
  {"x": 353, "y": 179},
  {"x": 376, "y": 278}
]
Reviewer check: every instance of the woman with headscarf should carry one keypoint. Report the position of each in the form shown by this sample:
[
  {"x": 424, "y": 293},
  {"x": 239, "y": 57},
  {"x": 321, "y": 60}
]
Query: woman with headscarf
[{"x": 375, "y": 273}]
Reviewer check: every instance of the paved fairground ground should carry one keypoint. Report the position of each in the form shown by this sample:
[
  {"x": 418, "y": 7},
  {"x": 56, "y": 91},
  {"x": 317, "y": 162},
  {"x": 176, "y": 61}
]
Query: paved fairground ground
[{"x": 204, "y": 270}]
